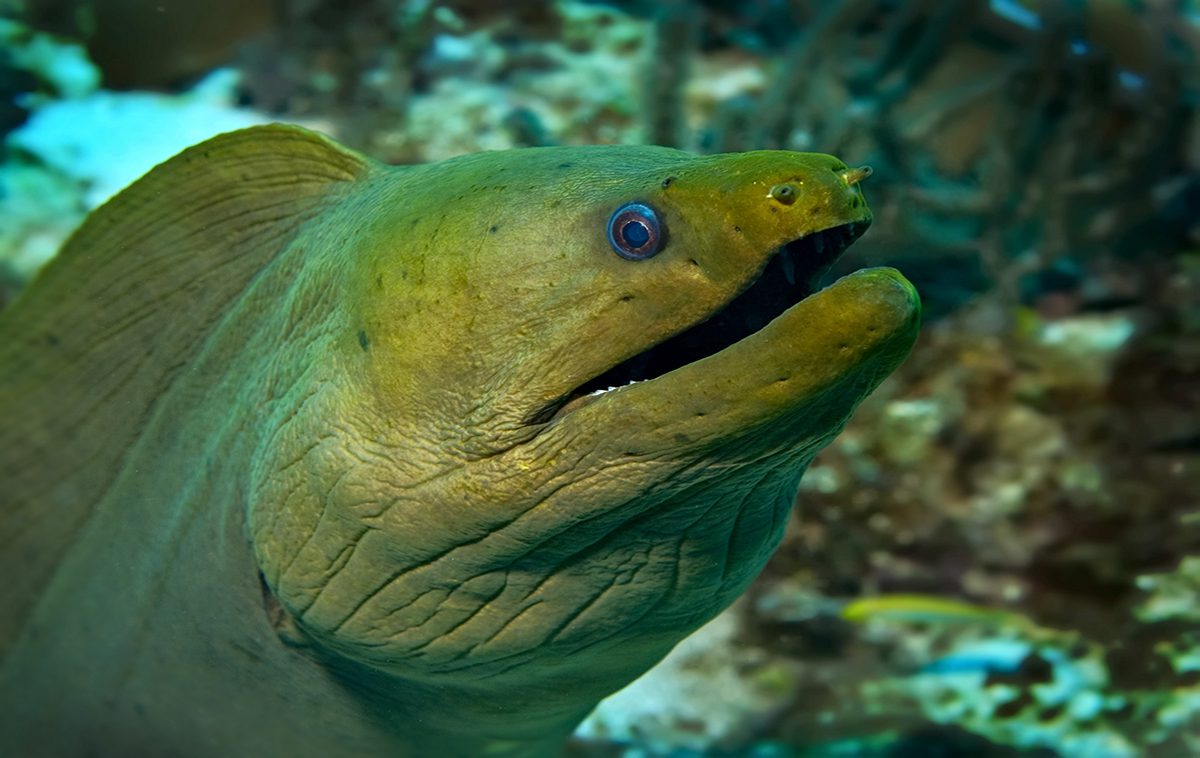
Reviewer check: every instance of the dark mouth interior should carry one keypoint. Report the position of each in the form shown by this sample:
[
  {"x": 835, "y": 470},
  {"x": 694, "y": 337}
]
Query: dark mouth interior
[{"x": 789, "y": 276}]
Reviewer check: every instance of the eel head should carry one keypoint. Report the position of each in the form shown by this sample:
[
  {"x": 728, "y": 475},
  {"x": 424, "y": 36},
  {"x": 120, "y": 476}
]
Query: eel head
[{"x": 569, "y": 394}]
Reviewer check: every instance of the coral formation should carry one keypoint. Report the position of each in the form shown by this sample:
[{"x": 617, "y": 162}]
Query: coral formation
[{"x": 74, "y": 153}]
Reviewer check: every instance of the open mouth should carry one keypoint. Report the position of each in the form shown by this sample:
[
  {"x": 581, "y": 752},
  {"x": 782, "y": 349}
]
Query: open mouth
[{"x": 790, "y": 275}]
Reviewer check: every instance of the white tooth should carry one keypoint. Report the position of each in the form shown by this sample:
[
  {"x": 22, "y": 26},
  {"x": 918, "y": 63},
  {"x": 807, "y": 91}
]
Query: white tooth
[
  {"x": 593, "y": 393},
  {"x": 789, "y": 268}
]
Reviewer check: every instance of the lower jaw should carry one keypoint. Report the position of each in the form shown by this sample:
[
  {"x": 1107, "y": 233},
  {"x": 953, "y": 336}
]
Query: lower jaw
[
  {"x": 821, "y": 356},
  {"x": 881, "y": 290}
]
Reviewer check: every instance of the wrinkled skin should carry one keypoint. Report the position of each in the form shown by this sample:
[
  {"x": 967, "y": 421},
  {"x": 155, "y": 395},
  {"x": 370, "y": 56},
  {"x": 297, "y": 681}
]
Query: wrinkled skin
[{"x": 360, "y": 422}]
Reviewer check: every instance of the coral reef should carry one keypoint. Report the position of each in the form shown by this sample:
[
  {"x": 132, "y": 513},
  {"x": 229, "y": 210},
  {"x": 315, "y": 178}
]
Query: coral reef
[
  {"x": 417, "y": 81},
  {"x": 79, "y": 147},
  {"x": 709, "y": 693},
  {"x": 1000, "y": 466},
  {"x": 106, "y": 140}
]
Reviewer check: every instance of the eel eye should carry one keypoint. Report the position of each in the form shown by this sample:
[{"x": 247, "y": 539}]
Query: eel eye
[{"x": 634, "y": 231}]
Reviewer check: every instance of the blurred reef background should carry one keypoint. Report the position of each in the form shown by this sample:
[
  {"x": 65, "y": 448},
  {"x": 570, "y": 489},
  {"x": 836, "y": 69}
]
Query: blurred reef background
[{"x": 1001, "y": 554}]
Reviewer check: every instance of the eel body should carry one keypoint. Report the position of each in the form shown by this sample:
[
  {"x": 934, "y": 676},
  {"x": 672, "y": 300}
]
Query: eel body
[{"x": 309, "y": 455}]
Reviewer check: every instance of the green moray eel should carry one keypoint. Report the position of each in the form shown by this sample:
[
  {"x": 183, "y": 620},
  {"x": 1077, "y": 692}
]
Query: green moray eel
[{"x": 303, "y": 454}]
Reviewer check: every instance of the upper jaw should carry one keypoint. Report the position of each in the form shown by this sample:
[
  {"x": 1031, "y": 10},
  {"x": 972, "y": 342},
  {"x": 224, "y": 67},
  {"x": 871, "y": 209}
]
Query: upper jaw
[{"x": 790, "y": 273}]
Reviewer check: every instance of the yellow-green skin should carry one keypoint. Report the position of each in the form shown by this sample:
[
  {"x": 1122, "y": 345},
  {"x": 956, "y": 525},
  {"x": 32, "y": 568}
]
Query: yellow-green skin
[{"x": 273, "y": 355}]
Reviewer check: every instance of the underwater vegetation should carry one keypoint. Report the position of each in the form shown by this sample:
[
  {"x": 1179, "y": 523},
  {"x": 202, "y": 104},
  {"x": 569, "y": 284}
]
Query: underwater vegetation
[{"x": 1000, "y": 552}]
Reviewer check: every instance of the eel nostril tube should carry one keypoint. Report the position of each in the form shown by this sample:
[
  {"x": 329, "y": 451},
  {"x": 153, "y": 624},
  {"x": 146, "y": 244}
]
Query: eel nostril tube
[{"x": 852, "y": 176}]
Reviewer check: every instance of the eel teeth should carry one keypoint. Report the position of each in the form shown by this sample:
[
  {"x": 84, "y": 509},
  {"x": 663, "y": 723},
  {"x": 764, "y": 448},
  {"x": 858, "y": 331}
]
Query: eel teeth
[{"x": 594, "y": 393}]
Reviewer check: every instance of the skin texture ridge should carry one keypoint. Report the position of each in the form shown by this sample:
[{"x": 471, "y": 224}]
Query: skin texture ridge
[{"x": 285, "y": 474}]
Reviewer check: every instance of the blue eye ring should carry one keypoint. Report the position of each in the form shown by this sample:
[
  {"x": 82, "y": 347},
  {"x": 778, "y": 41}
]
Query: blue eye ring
[{"x": 635, "y": 232}]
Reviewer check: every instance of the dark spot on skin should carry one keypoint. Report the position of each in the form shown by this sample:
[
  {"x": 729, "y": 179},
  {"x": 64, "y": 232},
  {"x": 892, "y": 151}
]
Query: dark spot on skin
[
  {"x": 51, "y": 339},
  {"x": 782, "y": 379},
  {"x": 565, "y": 165},
  {"x": 363, "y": 342},
  {"x": 681, "y": 438},
  {"x": 694, "y": 262},
  {"x": 626, "y": 298},
  {"x": 494, "y": 229},
  {"x": 379, "y": 281},
  {"x": 774, "y": 209},
  {"x": 404, "y": 274},
  {"x": 667, "y": 182},
  {"x": 630, "y": 453},
  {"x": 700, "y": 414},
  {"x": 737, "y": 229}
]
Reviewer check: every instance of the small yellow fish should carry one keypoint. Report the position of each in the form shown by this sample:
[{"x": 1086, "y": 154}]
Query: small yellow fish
[{"x": 925, "y": 609}]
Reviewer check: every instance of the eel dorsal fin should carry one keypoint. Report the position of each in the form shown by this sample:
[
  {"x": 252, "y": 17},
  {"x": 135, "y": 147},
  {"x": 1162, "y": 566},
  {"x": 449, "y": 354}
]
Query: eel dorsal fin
[{"x": 105, "y": 328}]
